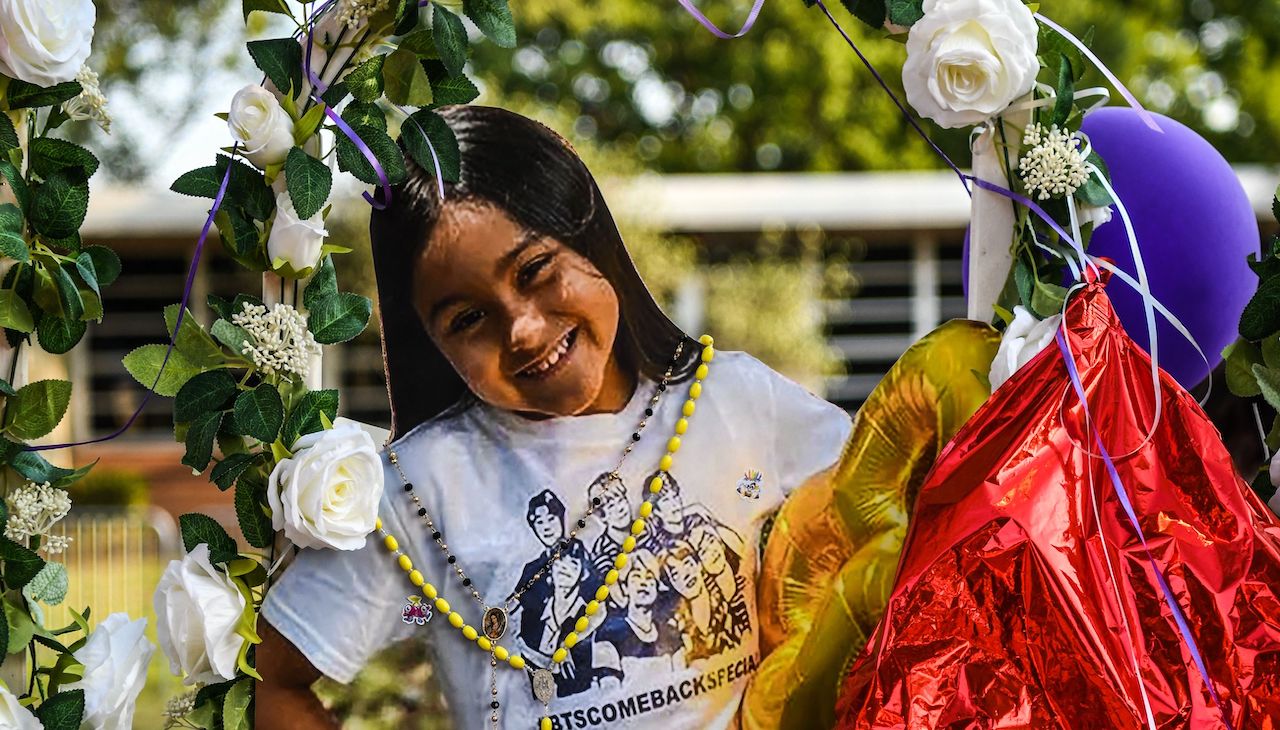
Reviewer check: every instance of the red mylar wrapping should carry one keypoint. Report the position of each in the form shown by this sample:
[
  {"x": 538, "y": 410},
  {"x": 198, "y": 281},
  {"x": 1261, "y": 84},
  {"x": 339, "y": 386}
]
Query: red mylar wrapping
[{"x": 1005, "y": 612}]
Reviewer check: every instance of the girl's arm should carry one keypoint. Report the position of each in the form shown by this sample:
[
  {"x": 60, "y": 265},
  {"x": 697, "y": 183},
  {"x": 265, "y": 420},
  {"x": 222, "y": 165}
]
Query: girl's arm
[{"x": 284, "y": 698}]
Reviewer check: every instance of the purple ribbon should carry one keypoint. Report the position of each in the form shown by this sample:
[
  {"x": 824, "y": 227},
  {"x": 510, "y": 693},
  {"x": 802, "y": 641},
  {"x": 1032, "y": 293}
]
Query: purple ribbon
[
  {"x": 177, "y": 326},
  {"x": 1116, "y": 482},
  {"x": 698, "y": 16}
]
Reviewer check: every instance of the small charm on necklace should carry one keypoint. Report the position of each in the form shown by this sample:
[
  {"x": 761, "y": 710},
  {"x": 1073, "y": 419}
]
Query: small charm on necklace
[
  {"x": 416, "y": 612},
  {"x": 544, "y": 686},
  {"x": 494, "y": 623},
  {"x": 749, "y": 485}
]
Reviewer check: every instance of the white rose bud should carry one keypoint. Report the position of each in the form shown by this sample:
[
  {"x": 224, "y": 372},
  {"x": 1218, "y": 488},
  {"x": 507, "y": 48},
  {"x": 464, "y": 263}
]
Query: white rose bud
[
  {"x": 968, "y": 60},
  {"x": 115, "y": 660},
  {"x": 327, "y": 494},
  {"x": 296, "y": 241},
  {"x": 13, "y": 716},
  {"x": 45, "y": 42},
  {"x": 197, "y": 610},
  {"x": 261, "y": 126},
  {"x": 1024, "y": 338},
  {"x": 1095, "y": 214}
]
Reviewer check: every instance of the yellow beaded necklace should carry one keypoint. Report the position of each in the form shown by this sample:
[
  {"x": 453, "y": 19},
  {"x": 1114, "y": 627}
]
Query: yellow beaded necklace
[{"x": 543, "y": 680}]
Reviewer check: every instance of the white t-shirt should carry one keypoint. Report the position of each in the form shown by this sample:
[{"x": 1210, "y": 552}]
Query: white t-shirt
[{"x": 674, "y": 644}]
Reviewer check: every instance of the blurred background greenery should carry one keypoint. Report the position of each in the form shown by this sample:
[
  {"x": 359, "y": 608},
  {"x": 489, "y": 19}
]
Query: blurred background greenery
[{"x": 640, "y": 88}]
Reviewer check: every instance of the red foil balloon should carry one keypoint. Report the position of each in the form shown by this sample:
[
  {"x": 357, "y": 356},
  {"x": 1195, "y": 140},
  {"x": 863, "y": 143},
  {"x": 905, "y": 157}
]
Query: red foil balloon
[{"x": 1024, "y": 599}]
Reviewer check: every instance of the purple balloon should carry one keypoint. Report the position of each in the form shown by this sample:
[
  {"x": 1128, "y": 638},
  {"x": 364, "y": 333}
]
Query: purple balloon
[{"x": 1195, "y": 227}]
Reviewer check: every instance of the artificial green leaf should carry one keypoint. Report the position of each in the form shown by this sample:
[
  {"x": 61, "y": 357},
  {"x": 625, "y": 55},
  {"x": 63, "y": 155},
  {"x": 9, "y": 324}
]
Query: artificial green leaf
[
  {"x": 92, "y": 306},
  {"x": 387, "y": 153},
  {"x": 68, "y": 477},
  {"x": 231, "y": 335},
  {"x": 365, "y": 81},
  {"x": 57, "y": 335},
  {"x": 905, "y": 12},
  {"x": 8, "y": 141},
  {"x": 453, "y": 90},
  {"x": 241, "y": 237},
  {"x": 1066, "y": 92},
  {"x": 235, "y": 706},
  {"x": 37, "y": 409},
  {"x": 220, "y": 306},
  {"x": 59, "y": 204},
  {"x": 339, "y": 318},
  {"x": 260, "y": 413},
  {"x": 202, "y": 182},
  {"x": 247, "y": 189},
  {"x": 237, "y": 304},
  {"x": 12, "y": 242},
  {"x": 50, "y": 154},
  {"x": 226, "y": 472},
  {"x": 334, "y": 95},
  {"x": 405, "y": 80},
  {"x": 421, "y": 43},
  {"x": 493, "y": 18},
  {"x": 201, "y": 432},
  {"x": 1261, "y": 316},
  {"x": 49, "y": 585},
  {"x": 17, "y": 184},
  {"x": 266, "y": 6},
  {"x": 4, "y": 616},
  {"x": 281, "y": 60},
  {"x": 424, "y": 130},
  {"x": 22, "y": 95},
  {"x": 254, "y": 523},
  {"x": 204, "y": 716},
  {"x": 360, "y": 114},
  {"x": 62, "y": 711},
  {"x": 308, "y": 180},
  {"x": 323, "y": 284},
  {"x": 197, "y": 528},
  {"x": 20, "y": 564},
  {"x": 70, "y": 305},
  {"x": 8, "y": 390},
  {"x": 305, "y": 416},
  {"x": 450, "y": 36},
  {"x": 144, "y": 364},
  {"x": 406, "y": 16},
  {"x": 34, "y": 467},
  {"x": 85, "y": 268},
  {"x": 14, "y": 313},
  {"x": 1269, "y": 384},
  {"x": 192, "y": 340},
  {"x": 208, "y": 391}
]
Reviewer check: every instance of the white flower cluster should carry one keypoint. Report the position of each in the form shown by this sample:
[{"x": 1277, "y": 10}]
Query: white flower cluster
[
  {"x": 33, "y": 509},
  {"x": 1053, "y": 166},
  {"x": 90, "y": 104},
  {"x": 284, "y": 344},
  {"x": 178, "y": 708},
  {"x": 356, "y": 12}
]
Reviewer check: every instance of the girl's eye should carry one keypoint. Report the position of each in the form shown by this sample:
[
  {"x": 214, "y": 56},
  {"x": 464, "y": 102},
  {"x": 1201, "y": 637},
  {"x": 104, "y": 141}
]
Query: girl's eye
[
  {"x": 464, "y": 320},
  {"x": 535, "y": 266}
]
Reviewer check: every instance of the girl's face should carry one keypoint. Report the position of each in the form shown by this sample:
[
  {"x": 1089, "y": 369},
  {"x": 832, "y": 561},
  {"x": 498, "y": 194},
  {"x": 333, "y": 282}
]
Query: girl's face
[{"x": 527, "y": 322}]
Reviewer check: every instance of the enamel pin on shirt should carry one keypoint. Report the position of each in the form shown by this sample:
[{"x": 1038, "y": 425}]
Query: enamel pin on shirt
[{"x": 749, "y": 484}]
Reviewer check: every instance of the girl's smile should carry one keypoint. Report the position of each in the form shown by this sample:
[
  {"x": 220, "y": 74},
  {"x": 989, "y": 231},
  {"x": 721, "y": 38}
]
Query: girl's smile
[{"x": 526, "y": 321}]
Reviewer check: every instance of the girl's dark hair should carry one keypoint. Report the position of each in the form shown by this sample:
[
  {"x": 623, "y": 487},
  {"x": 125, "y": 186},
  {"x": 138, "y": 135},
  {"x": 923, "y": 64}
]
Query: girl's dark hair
[{"x": 533, "y": 175}]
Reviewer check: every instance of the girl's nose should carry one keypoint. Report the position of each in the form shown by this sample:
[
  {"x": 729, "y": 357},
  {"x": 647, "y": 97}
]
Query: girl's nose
[{"x": 527, "y": 331}]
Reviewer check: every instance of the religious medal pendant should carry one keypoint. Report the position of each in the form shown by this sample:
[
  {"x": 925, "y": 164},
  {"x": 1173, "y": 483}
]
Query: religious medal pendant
[
  {"x": 415, "y": 611},
  {"x": 544, "y": 686},
  {"x": 494, "y": 623},
  {"x": 749, "y": 485}
]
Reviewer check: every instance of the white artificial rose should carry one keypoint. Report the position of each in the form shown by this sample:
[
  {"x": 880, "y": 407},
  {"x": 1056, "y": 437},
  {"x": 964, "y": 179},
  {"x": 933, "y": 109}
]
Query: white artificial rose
[
  {"x": 1024, "y": 338},
  {"x": 296, "y": 241},
  {"x": 261, "y": 126},
  {"x": 197, "y": 610},
  {"x": 13, "y": 716},
  {"x": 326, "y": 495},
  {"x": 1095, "y": 214},
  {"x": 45, "y": 42},
  {"x": 968, "y": 60},
  {"x": 115, "y": 660}
]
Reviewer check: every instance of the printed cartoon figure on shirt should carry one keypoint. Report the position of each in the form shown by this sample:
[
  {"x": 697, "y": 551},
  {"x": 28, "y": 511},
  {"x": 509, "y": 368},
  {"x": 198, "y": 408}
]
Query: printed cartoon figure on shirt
[
  {"x": 615, "y": 518},
  {"x": 550, "y": 606}
]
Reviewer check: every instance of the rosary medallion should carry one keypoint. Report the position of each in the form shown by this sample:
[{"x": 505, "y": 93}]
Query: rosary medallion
[
  {"x": 544, "y": 686},
  {"x": 415, "y": 612},
  {"x": 494, "y": 623}
]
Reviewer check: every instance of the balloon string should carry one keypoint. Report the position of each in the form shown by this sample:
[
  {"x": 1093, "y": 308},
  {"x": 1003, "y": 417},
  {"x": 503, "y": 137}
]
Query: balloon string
[{"x": 1179, "y": 618}]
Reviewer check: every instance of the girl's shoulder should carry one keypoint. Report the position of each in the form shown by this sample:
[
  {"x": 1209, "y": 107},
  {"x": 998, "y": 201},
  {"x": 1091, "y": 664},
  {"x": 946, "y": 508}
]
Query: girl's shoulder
[{"x": 436, "y": 433}]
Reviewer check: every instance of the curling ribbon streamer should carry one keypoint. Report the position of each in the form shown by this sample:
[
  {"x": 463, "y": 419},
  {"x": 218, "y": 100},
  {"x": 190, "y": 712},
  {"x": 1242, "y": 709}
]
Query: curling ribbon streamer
[
  {"x": 1116, "y": 482},
  {"x": 746, "y": 26}
]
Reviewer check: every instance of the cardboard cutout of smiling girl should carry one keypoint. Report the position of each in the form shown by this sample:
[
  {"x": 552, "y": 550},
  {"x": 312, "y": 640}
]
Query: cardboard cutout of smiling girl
[{"x": 523, "y": 356}]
